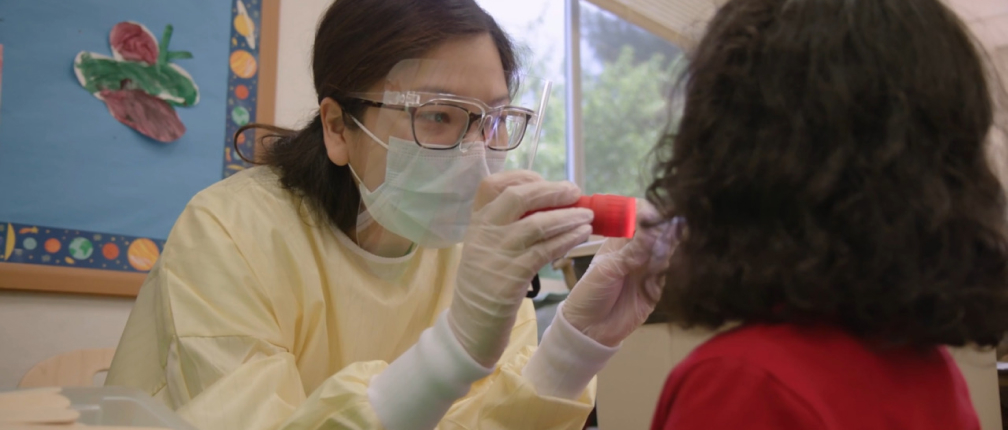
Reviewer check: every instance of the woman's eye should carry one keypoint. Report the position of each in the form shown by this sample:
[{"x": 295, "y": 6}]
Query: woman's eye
[{"x": 435, "y": 117}]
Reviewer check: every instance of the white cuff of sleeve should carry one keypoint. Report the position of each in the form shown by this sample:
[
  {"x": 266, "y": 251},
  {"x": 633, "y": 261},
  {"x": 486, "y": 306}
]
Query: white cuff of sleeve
[
  {"x": 566, "y": 360},
  {"x": 416, "y": 389}
]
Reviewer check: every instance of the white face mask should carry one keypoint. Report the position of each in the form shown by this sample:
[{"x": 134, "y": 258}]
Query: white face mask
[{"x": 428, "y": 194}]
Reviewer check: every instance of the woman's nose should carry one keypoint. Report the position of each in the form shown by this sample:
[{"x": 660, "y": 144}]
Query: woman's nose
[{"x": 476, "y": 132}]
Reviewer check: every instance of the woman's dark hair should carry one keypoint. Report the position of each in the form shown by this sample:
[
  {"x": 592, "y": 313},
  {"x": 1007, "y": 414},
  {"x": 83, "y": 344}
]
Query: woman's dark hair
[
  {"x": 357, "y": 43},
  {"x": 831, "y": 165}
]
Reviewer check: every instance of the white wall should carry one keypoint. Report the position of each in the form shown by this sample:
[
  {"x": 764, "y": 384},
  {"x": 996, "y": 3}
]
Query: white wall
[
  {"x": 979, "y": 368},
  {"x": 988, "y": 19},
  {"x": 296, "y": 100},
  {"x": 36, "y": 326}
]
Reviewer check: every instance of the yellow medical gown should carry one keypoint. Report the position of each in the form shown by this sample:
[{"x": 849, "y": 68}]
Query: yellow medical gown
[{"x": 259, "y": 316}]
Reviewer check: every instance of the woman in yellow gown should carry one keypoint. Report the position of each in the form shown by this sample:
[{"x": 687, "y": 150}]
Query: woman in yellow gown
[{"x": 372, "y": 273}]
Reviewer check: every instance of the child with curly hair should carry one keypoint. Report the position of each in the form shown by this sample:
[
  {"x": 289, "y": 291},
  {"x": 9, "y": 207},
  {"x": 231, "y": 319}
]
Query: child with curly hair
[{"x": 832, "y": 165}]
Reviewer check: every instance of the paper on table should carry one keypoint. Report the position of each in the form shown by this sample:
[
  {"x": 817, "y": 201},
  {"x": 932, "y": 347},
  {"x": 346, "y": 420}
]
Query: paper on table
[
  {"x": 36, "y": 406},
  {"x": 39, "y": 416},
  {"x": 32, "y": 399}
]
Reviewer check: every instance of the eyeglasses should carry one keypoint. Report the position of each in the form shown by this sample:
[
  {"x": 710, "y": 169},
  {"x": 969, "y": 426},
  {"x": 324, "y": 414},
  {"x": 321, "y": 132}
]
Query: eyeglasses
[{"x": 441, "y": 121}]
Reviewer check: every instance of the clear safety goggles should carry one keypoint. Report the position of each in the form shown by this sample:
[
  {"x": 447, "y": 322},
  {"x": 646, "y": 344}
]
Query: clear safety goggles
[
  {"x": 444, "y": 121},
  {"x": 453, "y": 105}
]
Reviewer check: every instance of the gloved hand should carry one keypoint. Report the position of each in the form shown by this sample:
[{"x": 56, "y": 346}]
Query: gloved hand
[
  {"x": 619, "y": 290},
  {"x": 502, "y": 252}
]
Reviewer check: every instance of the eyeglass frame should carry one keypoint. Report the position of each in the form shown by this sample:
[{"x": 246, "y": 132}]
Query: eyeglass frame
[{"x": 409, "y": 102}]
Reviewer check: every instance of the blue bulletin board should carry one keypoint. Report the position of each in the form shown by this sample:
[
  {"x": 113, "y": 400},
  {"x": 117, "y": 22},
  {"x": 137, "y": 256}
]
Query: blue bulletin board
[{"x": 91, "y": 176}]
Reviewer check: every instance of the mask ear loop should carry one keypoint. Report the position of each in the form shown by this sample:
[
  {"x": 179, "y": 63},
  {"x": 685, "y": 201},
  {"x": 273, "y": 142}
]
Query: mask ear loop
[
  {"x": 370, "y": 134},
  {"x": 366, "y": 222},
  {"x": 364, "y": 218}
]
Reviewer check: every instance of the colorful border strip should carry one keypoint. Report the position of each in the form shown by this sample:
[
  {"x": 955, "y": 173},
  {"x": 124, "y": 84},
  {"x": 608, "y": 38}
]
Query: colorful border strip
[
  {"x": 243, "y": 82},
  {"x": 31, "y": 244}
]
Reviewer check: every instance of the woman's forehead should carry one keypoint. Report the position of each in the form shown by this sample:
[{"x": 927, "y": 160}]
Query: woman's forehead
[
  {"x": 476, "y": 82},
  {"x": 473, "y": 86},
  {"x": 467, "y": 68}
]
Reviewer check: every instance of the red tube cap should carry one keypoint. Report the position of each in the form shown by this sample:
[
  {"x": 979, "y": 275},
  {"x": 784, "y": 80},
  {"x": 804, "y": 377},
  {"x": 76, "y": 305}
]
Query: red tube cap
[{"x": 615, "y": 216}]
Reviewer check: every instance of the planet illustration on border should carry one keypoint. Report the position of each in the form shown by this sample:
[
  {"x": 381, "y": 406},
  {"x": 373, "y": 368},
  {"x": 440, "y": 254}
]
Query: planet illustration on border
[
  {"x": 142, "y": 254},
  {"x": 80, "y": 248},
  {"x": 53, "y": 245},
  {"x": 110, "y": 251}
]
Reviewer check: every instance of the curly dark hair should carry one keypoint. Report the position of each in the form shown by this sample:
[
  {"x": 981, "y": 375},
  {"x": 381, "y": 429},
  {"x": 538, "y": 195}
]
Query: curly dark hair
[{"x": 831, "y": 163}]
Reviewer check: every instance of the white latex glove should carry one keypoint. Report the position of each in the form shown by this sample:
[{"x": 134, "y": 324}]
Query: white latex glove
[
  {"x": 502, "y": 253},
  {"x": 619, "y": 290}
]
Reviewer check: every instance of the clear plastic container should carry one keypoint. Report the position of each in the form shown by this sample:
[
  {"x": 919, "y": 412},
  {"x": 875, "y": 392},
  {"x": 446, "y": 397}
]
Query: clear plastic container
[{"x": 121, "y": 406}]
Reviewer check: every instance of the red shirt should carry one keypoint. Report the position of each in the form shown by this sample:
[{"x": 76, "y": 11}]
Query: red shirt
[{"x": 780, "y": 377}]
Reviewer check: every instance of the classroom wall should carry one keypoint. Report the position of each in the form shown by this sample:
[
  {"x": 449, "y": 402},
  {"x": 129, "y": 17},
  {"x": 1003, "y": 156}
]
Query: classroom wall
[
  {"x": 296, "y": 101},
  {"x": 35, "y": 326}
]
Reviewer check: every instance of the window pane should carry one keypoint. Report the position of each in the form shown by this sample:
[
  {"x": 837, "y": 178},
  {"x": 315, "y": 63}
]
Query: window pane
[
  {"x": 537, "y": 28},
  {"x": 626, "y": 78}
]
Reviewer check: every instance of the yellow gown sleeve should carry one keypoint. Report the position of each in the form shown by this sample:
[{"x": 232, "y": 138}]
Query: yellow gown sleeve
[
  {"x": 224, "y": 348},
  {"x": 507, "y": 400},
  {"x": 503, "y": 400}
]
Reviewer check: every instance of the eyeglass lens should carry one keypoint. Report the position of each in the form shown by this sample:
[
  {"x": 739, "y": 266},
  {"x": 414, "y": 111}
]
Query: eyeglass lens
[{"x": 443, "y": 126}]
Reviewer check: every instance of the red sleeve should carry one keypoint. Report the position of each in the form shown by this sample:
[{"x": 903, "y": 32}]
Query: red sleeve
[{"x": 726, "y": 393}]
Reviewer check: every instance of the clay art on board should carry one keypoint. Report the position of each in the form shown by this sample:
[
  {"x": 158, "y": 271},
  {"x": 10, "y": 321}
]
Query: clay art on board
[{"x": 139, "y": 84}]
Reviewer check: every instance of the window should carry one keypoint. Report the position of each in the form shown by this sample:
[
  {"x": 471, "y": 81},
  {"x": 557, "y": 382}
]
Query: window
[
  {"x": 625, "y": 77},
  {"x": 537, "y": 27}
]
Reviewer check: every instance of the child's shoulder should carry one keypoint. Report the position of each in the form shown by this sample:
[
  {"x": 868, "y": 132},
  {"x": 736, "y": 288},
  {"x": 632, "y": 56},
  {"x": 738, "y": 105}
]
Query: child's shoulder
[
  {"x": 760, "y": 342},
  {"x": 824, "y": 363},
  {"x": 791, "y": 354}
]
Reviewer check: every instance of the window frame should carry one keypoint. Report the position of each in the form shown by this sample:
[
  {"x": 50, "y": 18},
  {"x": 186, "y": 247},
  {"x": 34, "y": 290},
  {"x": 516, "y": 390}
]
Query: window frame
[{"x": 574, "y": 129}]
